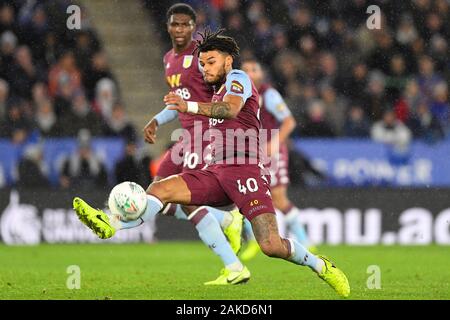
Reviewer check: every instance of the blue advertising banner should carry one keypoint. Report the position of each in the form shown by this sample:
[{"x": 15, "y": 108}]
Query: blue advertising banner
[{"x": 351, "y": 162}]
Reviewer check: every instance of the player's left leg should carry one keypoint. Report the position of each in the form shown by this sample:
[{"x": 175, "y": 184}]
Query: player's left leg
[{"x": 159, "y": 193}]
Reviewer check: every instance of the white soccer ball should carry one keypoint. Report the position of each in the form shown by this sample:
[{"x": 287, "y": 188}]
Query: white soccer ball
[{"x": 128, "y": 200}]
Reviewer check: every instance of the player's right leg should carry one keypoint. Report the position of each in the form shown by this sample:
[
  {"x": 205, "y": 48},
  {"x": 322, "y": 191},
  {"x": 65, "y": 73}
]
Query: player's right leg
[
  {"x": 266, "y": 233},
  {"x": 159, "y": 193},
  {"x": 174, "y": 189}
]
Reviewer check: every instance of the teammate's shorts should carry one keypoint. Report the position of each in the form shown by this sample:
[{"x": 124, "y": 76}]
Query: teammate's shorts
[
  {"x": 219, "y": 185},
  {"x": 167, "y": 167},
  {"x": 280, "y": 163},
  {"x": 191, "y": 161}
]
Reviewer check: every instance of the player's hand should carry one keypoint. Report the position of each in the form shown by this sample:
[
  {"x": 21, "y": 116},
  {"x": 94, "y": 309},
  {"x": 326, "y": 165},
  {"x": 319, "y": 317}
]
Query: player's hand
[
  {"x": 150, "y": 131},
  {"x": 175, "y": 102}
]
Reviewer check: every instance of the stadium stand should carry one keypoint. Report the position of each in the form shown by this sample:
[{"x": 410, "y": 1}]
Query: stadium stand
[{"x": 339, "y": 77}]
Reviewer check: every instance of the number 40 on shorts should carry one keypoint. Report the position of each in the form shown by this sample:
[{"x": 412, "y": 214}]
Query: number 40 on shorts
[{"x": 251, "y": 185}]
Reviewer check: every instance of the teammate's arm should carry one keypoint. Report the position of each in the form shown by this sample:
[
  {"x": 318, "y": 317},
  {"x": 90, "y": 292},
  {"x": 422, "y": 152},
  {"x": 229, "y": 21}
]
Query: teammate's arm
[
  {"x": 277, "y": 107},
  {"x": 165, "y": 116}
]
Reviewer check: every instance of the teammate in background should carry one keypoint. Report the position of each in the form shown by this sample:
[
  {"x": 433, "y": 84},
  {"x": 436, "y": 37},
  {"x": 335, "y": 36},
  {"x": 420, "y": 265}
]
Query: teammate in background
[
  {"x": 275, "y": 114},
  {"x": 234, "y": 175}
]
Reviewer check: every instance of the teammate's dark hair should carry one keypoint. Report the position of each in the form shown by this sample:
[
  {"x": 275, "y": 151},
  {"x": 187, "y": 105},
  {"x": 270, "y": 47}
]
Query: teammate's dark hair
[
  {"x": 215, "y": 41},
  {"x": 181, "y": 8}
]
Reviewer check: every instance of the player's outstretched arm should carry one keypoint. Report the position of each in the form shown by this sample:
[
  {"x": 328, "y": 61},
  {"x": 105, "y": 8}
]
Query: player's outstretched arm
[{"x": 226, "y": 109}]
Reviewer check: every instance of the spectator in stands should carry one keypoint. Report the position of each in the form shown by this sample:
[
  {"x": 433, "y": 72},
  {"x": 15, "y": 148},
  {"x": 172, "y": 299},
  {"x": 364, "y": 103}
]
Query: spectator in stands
[
  {"x": 408, "y": 102},
  {"x": 23, "y": 74},
  {"x": 391, "y": 132},
  {"x": 16, "y": 126},
  {"x": 64, "y": 72},
  {"x": 8, "y": 43},
  {"x": 98, "y": 69},
  {"x": 32, "y": 170},
  {"x": 35, "y": 26},
  {"x": 427, "y": 77},
  {"x": 279, "y": 43},
  {"x": 302, "y": 24},
  {"x": 424, "y": 125},
  {"x": 63, "y": 99},
  {"x": 84, "y": 49},
  {"x": 385, "y": 49},
  {"x": 328, "y": 74},
  {"x": 440, "y": 106},
  {"x": 335, "y": 108},
  {"x": 39, "y": 93},
  {"x": 51, "y": 50},
  {"x": 397, "y": 77},
  {"x": 83, "y": 169},
  {"x": 355, "y": 85},
  {"x": 105, "y": 97},
  {"x": 439, "y": 52},
  {"x": 80, "y": 117},
  {"x": 118, "y": 125},
  {"x": 46, "y": 120},
  {"x": 4, "y": 95},
  {"x": 376, "y": 101},
  {"x": 406, "y": 32},
  {"x": 7, "y": 20},
  {"x": 356, "y": 125},
  {"x": 133, "y": 166},
  {"x": 316, "y": 124}
]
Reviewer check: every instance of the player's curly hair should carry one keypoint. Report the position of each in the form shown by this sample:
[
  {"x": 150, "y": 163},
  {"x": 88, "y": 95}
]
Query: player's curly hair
[{"x": 216, "y": 41}]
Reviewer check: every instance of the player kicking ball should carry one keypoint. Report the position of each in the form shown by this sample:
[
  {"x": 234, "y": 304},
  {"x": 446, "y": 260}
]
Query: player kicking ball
[
  {"x": 235, "y": 176},
  {"x": 184, "y": 77}
]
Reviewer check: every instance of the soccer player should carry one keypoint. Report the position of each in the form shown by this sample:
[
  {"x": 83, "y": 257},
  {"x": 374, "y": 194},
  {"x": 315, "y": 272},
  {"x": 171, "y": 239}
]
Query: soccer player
[
  {"x": 184, "y": 77},
  {"x": 234, "y": 176},
  {"x": 275, "y": 114}
]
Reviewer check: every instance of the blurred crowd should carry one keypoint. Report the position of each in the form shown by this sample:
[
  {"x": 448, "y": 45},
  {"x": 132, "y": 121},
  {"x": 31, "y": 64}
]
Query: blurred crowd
[
  {"x": 339, "y": 77},
  {"x": 54, "y": 83}
]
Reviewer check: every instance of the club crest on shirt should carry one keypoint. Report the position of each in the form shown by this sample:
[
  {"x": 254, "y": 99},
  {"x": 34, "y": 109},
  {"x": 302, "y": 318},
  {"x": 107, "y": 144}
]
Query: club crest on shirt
[
  {"x": 280, "y": 107},
  {"x": 236, "y": 87},
  {"x": 187, "y": 61}
]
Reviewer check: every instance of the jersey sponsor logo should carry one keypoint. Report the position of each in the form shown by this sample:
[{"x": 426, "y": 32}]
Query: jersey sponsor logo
[
  {"x": 174, "y": 80},
  {"x": 187, "y": 61},
  {"x": 236, "y": 87}
]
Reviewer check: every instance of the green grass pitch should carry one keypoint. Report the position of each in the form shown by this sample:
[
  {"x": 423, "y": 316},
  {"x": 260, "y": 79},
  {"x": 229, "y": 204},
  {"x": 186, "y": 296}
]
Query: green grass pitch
[{"x": 174, "y": 270}]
